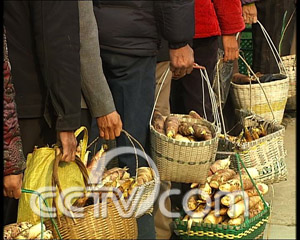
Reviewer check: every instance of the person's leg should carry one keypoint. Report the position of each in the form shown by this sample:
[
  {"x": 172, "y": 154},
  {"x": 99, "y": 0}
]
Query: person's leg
[
  {"x": 162, "y": 223},
  {"x": 163, "y": 102},
  {"x": 132, "y": 82}
]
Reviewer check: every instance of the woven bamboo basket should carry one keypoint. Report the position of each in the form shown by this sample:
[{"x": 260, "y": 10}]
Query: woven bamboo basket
[
  {"x": 265, "y": 99},
  {"x": 290, "y": 66},
  {"x": 145, "y": 194},
  {"x": 180, "y": 161},
  {"x": 252, "y": 228},
  {"x": 267, "y": 154},
  {"x": 277, "y": 92},
  {"x": 90, "y": 227},
  {"x": 114, "y": 226}
]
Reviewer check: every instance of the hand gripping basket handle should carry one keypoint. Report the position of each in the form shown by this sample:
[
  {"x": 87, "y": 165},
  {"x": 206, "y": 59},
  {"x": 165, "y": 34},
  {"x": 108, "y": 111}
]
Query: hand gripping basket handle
[{"x": 240, "y": 161}]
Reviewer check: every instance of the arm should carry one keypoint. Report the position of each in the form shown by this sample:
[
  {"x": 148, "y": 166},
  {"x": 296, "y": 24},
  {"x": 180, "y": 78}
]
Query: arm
[
  {"x": 56, "y": 34},
  {"x": 14, "y": 161},
  {"x": 176, "y": 24},
  {"x": 230, "y": 19},
  {"x": 94, "y": 85}
]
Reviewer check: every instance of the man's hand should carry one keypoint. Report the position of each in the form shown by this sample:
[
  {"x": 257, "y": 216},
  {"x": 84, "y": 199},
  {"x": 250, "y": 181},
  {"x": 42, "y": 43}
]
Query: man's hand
[
  {"x": 12, "y": 186},
  {"x": 110, "y": 126},
  {"x": 249, "y": 13},
  {"x": 181, "y": 61},
  {"x": 231, "y": 47},
  {"x": 69, "y": 144}
]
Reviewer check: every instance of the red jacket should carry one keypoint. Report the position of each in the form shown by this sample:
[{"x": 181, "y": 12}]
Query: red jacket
[{"x": 218, "y": 17}]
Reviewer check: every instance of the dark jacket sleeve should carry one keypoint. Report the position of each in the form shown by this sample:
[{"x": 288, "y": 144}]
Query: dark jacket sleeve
[
  {"x": 248, "y": 1},
  {"x": 56, "y": 32},
  {"x": 176, "y": 21}
]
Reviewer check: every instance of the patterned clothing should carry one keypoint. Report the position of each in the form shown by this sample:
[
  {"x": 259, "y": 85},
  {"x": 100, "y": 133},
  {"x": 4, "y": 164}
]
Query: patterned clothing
[{"x": 14, "y": 160}]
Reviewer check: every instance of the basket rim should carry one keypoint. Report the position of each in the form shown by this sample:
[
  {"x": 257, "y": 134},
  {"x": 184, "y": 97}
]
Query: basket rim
[
  {"x": 266, "y": 84},
  {"x": 264, "y": 214}
]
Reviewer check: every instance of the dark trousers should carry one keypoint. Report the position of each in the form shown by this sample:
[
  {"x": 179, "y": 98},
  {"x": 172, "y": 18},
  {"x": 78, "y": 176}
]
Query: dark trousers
[
  {"x": 186, "y": 93},
  {"x": 132, "y": 82},
  {"x": 34, "y": 132},
  {"x": 270, "y": 13}
]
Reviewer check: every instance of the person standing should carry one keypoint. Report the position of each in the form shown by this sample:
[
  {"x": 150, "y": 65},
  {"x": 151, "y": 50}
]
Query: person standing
[
  {"x": 129, "y": 44},
  {"x": 43, "y": 43},
  {"x": 13, "y": 157},
  {"x": 212, "y": 19}
]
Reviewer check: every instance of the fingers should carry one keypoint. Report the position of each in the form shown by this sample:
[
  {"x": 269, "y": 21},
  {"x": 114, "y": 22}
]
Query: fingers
[
  {"x": 181, "y": 61},
  {"x": 110, "y": 126},
  {"x": 17, "y": 193},
  {"x": 12, "y": 186},
  {"x": 231, "y": 54},
  {"x": 69, "y": 144}
]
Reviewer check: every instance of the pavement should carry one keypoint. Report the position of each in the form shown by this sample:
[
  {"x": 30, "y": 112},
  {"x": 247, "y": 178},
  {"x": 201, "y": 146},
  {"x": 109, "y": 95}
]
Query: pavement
[{"x": 282, "y": 224}]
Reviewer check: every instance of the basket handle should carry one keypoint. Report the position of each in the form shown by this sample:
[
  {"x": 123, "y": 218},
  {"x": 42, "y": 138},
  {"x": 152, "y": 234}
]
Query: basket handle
[
  {"x": 204, "y": 77},
  {"x": 247, "y": 65},
  {"x": 162, "y": 81},
  {"x": 132, "y": 140},
  {"x": 273, "y": 48},
  {"x": 219, "y": 96},
  {"x": 84, "y": 140},
  {"x": 239, "y": 160},
  {"x": 55, "y": 178},
  {"x": 23, "y": 190}
]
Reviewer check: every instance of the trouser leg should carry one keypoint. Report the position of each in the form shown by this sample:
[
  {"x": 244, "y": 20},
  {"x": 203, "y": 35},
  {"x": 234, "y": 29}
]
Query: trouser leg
[
  {"x": 132, "y": 82},
  {"x": 163, "y": 102}
]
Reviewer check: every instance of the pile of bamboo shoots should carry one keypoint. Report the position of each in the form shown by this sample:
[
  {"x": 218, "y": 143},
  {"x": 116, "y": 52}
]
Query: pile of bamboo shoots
[
  {"x": 179, "y": 129},
  {"x": 114, "y": 178},
  {"x": 247, "y": 134},
  {"x": 26, "y": 230},
  {"x": 222, "y": 186}
]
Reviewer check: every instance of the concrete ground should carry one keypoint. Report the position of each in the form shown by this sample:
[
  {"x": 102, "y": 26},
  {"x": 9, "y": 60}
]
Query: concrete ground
[{"x": 282, "y": 224}]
